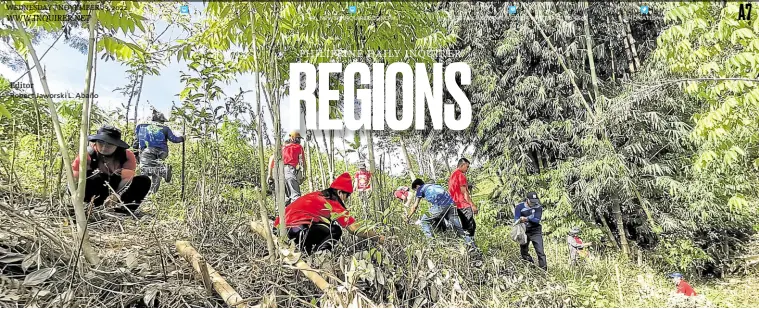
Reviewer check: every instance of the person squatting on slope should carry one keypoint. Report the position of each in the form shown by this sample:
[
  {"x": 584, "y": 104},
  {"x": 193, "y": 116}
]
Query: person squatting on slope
[
  {"x": 682, "y": 286},
  {"x": 460, "y": 191},
  {"x": 531, "y": 212},
  {"x": 315, "y": 227},
  {"x": 292, "y": 156},
  {"x": 111, "y": 168},
  {"x": 363, "y": 183},
  {"x": 576, "y": 246},
  {"x": 442, "y": 207},
  {"x": 152, "y": 145}
]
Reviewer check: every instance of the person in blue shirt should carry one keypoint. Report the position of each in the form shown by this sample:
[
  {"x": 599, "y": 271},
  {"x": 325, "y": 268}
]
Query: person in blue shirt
[
  {"x": 442, "y": 207},
  {"x": 530, "y": 211},
  {"x": 152, "y": 145}
]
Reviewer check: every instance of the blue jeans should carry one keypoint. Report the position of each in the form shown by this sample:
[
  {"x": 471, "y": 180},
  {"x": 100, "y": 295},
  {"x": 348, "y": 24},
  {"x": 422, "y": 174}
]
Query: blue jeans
[{"x": 437, "y": 213}]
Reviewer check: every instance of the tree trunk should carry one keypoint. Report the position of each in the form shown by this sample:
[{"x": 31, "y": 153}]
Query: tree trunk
[
  {"x": 321, "y": 164},
  {"x": 630, "y": 39},
  {"x": 432, "y": 165},
  {"x": 617, "y": 213},
  {"x": 628, "y": 49},
  {"x": 129, "y": 103},
  {"x": 137, "y": 101},
  {"x": 76, "y": 199},
  {"x": 372, "y": 169},
  {"x": 589, "y": 49},
  {"x": 310, "y": 163},
  {"x": 261, "y": 161},
  {"x": 330, "y": 169},
  {"x": 408, "y": 159},
  {"x": 611, "y": 53},
  {"x": 607, "y": 229}
]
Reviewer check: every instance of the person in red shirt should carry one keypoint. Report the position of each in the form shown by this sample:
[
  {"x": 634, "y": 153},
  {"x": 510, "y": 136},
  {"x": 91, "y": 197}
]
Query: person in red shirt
[
  {"x": 363, "y": 183},
  {"x": 315, "y": 221},
  {"x": 682, "y": 286},
  {"x": 110, "y": 172},
  {"x": 293, "y": 157},
  {"x": 458, "y": 188}
]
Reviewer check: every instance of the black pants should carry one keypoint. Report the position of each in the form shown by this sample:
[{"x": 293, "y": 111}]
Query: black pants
[
  {"x": 467, "y": 220},
  {"x": 97, "y": 190},
  {"x": 317, "y": 236},
  {"x": 534, "y": 236}
]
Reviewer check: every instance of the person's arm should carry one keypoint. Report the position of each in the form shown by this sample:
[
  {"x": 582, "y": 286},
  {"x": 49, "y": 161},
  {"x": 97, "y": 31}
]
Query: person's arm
[
  {"x": 407, "y": 203},
  {"x": 535, "y": 218},
  {"x": 353, "y": 228},
  {"x": 517, "y": 212},
  {"x": 173, "y": 138},
  {"x": 413, "y": 209},
  {"x": 127, "y": 171},
  {"x": 303, "y": 160}
]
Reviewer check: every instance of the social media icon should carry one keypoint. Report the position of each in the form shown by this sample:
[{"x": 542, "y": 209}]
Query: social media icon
[
  {"x": 352, "y": 9},
  {"x": 512, "y": 10},
  {"x": 184, "y": 9},
  {"x": 644, "y": 10}
]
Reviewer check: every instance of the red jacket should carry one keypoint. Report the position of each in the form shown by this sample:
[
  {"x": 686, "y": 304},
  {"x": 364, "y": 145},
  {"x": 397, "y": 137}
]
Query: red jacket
[
  {"x": 311, "y": 207},
  {"x": 685, "y": 288}
]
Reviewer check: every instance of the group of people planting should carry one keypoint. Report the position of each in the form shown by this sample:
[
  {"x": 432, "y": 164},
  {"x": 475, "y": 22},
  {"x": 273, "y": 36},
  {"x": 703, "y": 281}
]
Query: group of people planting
[{"x": 314, "y": 221}]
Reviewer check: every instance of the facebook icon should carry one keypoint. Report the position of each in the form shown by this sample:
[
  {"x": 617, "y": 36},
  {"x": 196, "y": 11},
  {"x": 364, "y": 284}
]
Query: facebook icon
[{"x": 184, "y": 9}]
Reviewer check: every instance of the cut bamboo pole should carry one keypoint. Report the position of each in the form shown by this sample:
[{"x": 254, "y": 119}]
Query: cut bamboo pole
[{"x": 230, "y": 296}]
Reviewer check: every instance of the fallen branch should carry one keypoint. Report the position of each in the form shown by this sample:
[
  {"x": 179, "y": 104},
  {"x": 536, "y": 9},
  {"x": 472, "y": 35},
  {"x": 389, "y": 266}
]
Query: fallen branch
[{"x": 230, "y": 296}]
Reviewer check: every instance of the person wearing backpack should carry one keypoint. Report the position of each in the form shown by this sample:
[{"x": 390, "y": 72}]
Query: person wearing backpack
[
  {"x": 530, "y": 211},
  {"x": 111, "y": 172},
  {"x": 151, "y": 143}
]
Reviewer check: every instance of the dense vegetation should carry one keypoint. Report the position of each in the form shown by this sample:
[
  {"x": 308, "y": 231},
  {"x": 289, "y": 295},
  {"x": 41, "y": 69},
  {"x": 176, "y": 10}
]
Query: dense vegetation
[{"x": 643, "y": 130}]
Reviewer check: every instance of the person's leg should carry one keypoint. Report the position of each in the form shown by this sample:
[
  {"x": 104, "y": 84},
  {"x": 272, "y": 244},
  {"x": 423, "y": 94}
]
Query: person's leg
[
  {"x": 135, "y": 192},
  {"x": 536, "y": 238},
  {"x": 434, "y": 217},
  {"x": 466, "y": 216},
  {"x": 166, "y": 172},
  {"x": 524, "y": 251},
  {"x": 96, "y": 189},
  {"x": 291, "y": 185},
  {"x": 321, "y": 236},
  {"x": 148, "y": 165},
  {"x": 453, "y": 218}
]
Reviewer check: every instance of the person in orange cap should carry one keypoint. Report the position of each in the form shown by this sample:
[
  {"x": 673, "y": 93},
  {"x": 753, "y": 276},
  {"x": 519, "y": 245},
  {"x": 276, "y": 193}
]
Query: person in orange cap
[{"x": 315, "y": 220}]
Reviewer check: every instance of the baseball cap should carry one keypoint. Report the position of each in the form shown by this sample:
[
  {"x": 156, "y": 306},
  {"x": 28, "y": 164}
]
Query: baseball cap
[
  {"x": 533, "y": 197},
  {"x": 676, "y": 275}
]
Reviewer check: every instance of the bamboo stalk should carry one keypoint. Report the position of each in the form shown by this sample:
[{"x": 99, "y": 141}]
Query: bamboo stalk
[{"x": 230, "y": 296}]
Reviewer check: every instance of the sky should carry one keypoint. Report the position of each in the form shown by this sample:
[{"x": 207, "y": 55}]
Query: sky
[{"x": 66, "y": 71}]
